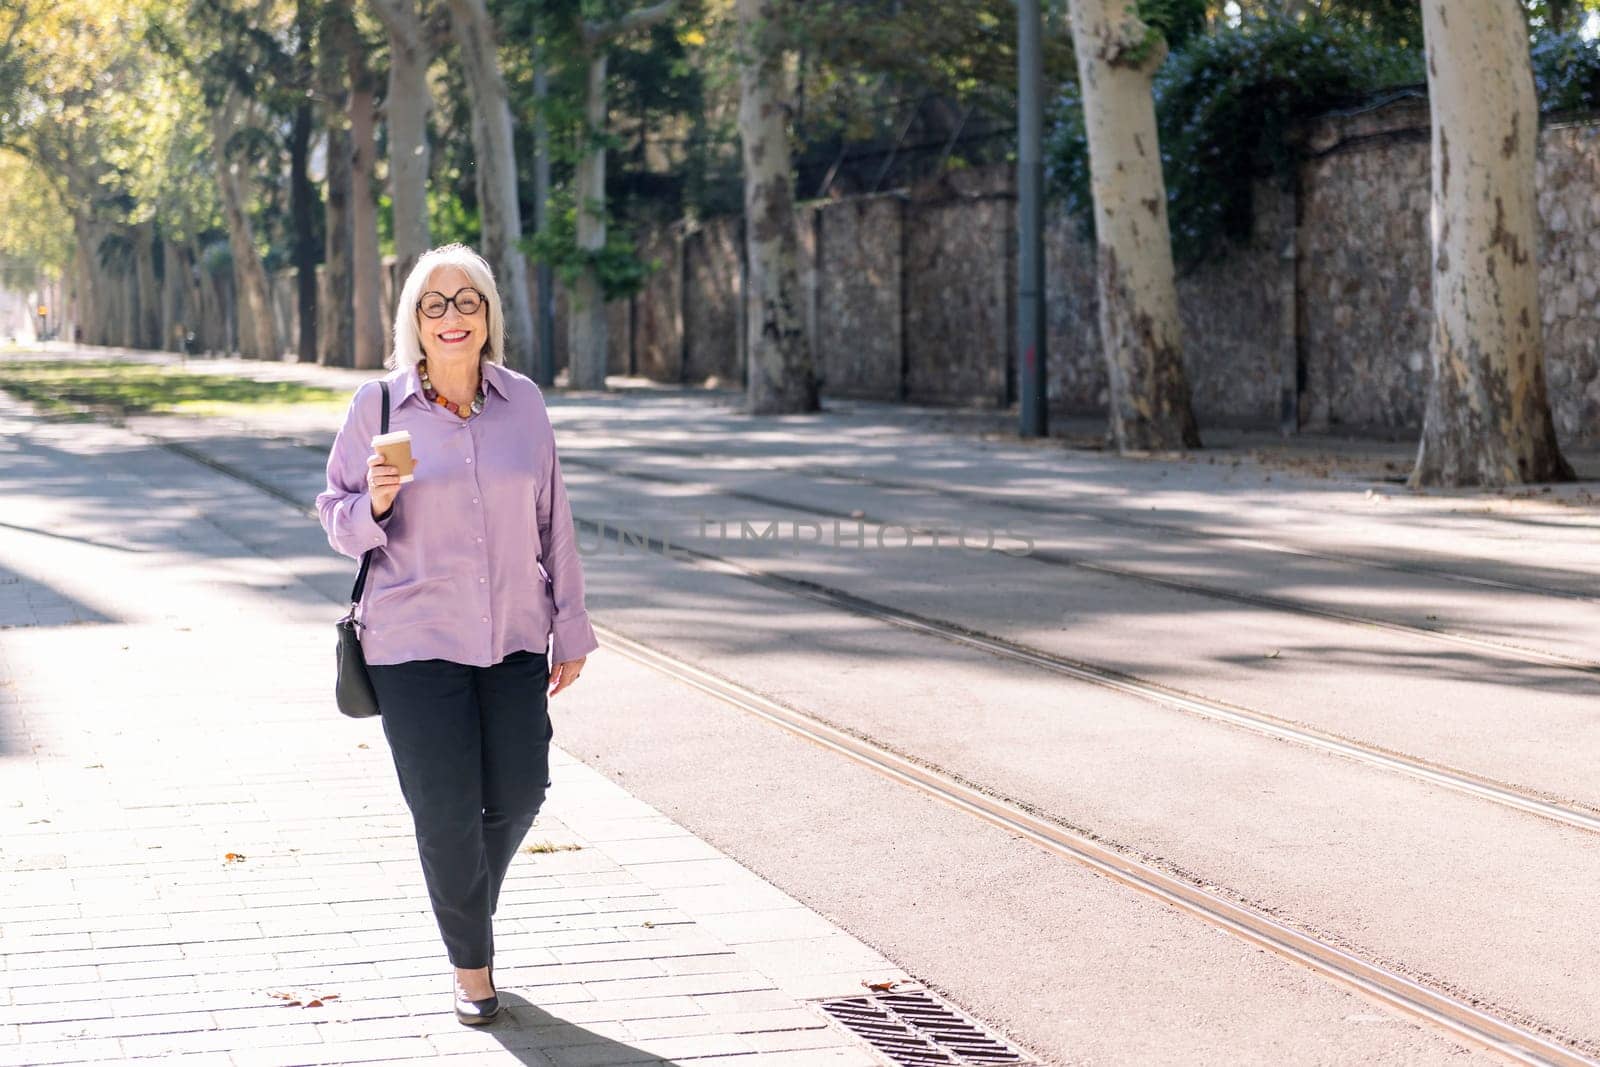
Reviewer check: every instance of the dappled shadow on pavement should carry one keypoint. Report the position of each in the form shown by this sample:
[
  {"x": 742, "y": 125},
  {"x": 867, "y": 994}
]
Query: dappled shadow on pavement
[
  {"x": 26, "y": 602},
  {"x": 1205, "y": 640}
]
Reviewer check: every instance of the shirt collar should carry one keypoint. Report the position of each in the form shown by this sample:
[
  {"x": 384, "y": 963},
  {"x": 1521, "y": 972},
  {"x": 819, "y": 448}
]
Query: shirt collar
[
  {"x": 494, "y": 376},
  {"x": 408, "y": 384},
  {"x": 497, "y": 377}
]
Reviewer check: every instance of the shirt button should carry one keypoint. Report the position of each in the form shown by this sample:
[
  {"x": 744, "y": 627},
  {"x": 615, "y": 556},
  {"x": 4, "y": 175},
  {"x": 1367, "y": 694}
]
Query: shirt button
[
  {"x": 474, "y": 500},
  {"x": 469, "y": 459},
  {"x": 484, "y": 619},
  {"x": 482, "y": 580},
  {"x": 480, "y": 540}
]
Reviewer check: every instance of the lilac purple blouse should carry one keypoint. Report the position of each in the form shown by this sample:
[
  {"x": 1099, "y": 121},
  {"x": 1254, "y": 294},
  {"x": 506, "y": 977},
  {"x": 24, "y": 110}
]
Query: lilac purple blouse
[{"x": 478, "y": 557}]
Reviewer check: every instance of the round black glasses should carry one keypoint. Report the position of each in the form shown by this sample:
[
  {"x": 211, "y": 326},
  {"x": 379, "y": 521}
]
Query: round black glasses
[{"x": 467, "y": 301}]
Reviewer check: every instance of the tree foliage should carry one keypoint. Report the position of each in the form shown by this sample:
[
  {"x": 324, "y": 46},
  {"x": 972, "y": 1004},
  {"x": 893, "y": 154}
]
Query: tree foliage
[
  {"x": 654, "y": 88},
  {"x": 1230, "y": 102},
  {"x": 915, "y": 82},
  {"x": 617, "y": 266},
  {"x": 103, "y": 105},
  {"x": 1396, "y": 22},
  {"x": 32, "y": 239},
  {"x": 855, "y": 50},
  {"x": 1558, "y": 16},
  {"x": 1176, "y": 20},
  {"x": 1566, "y": 71},
  {"x": 110, "y": 129},
  {"x": 1227, "y": 107}
]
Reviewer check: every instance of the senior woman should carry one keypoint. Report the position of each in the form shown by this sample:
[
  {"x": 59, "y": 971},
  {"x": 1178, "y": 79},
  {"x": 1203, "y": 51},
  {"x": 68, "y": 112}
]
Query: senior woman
[{"x": 475, "y": 572}]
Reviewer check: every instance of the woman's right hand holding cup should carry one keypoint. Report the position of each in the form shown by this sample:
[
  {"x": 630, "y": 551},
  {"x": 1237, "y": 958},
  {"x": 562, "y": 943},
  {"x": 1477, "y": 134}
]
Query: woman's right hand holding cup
[{"x": 383, "y": 484}]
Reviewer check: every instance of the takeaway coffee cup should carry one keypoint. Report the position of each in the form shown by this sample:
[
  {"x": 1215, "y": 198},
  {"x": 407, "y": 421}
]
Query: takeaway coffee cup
[{"x": 395, "y": 448}]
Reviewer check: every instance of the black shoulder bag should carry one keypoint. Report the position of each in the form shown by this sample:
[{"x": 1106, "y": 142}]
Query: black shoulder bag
[{"x": 352, "y": 687}]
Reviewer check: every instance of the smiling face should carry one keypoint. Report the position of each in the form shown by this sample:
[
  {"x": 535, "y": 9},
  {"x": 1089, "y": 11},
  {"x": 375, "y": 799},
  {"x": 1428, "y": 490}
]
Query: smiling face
[{"x": 452, "y": 337}]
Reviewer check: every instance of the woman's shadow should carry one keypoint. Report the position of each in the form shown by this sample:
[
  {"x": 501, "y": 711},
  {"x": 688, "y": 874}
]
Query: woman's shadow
[{"x": 530, "y": 1034}]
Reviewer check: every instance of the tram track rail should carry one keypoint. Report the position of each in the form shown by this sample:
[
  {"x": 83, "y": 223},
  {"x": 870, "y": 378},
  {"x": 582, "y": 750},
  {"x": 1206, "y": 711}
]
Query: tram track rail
[
  {"x": 1527, "y": 801},
  {"x": 1052, "y": 557},
  {"x": 1109, "y": 517},
  {"x": 1457, "y": 780},
  {"x": 1477, "y": 643},
  {"x": 1462, "y": 1019},
  {"x": 1465, "y": 1019}
]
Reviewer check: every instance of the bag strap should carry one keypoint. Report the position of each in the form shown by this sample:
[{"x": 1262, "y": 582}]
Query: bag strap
[{"x": 366, "y": 557}]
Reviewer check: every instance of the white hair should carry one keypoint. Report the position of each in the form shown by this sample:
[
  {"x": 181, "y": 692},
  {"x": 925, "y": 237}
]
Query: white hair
[{"x": 407, "y": 345}]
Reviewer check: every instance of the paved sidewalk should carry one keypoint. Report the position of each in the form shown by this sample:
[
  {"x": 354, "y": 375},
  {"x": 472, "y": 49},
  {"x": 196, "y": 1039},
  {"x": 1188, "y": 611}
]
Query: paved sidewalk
[{"x": 201, "y": 862}]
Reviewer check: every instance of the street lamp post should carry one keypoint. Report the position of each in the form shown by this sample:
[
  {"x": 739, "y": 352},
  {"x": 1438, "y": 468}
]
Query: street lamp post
[{"x": 1030, "y": 211}]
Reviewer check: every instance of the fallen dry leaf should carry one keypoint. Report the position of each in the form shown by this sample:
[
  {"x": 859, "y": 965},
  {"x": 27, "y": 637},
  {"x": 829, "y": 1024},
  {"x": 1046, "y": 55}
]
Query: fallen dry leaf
[
  {"x": 294, "y": 1000},
  {"x": 233, "y": 857},
  {"x": 880, "y": 987},
  {"x": 549, "y": 846}
]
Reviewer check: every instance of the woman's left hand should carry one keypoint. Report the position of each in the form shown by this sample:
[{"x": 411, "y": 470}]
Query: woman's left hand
[{"x": 565, "y": 673}]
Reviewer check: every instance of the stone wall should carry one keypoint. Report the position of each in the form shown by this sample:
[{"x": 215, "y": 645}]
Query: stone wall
[
  {"x": 1569, "y": 205},
  {"x": 1322, "y": 318},
  {"x": 1236, "y": 322},
  {"x": 805, "y": 225},
  {"x": 1238, "y": 314},
  {"x": 712, "y": 266},
  {"x": 1362, "y": 274},
  {"x": 857, "y": 339},
  {"x": 1075, "y": 372},
  {"x": 1324, "y": 315},
  {"x": 1363, "y": 277},
  {"x": 619, "y": 337},
  {"x": 959, "y": 290},
  {"x": 912, "y": 296},
  {"x": 658, "y": 309},
  {"x": 618, "y": 333},
  {"x": 906, "y": 298}
]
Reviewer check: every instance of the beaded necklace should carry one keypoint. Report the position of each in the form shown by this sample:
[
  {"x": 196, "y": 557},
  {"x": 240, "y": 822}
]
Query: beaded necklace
[{"x": 433, "y": 394}]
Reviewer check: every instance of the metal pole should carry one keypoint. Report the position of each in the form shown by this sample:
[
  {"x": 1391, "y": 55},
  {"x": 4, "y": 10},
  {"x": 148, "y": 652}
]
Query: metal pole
[
  {"x": 1030, "y": 211},
  {"x": 546, "y": 367}
]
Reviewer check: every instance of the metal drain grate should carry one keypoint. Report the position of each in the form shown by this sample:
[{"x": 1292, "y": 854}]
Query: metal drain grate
[{"x": 916, "y": 1030}]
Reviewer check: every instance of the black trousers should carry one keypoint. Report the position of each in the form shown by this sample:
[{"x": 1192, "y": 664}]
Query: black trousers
[{"x": 472, "y": 751}]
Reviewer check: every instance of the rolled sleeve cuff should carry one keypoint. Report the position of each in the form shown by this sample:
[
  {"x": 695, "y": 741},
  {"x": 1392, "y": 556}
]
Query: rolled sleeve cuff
[
  {"x": 363, "y": 530},
  {"x": 572, "y": 637}
]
